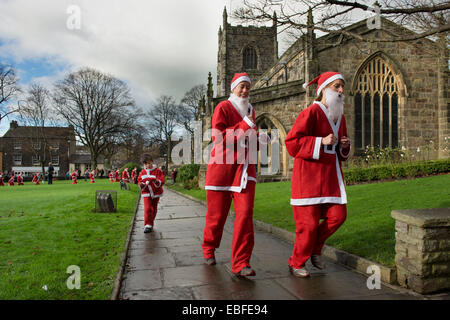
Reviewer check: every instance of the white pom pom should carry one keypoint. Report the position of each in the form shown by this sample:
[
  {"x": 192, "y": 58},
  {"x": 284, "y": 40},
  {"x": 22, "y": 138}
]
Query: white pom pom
[{"x": 305, "y": 85}]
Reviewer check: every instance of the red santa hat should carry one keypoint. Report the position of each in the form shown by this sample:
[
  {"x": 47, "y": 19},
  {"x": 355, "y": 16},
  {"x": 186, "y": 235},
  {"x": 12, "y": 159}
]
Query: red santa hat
[
  {"x": 325, "y": 79},
  {"x": 238, "y": 78}
]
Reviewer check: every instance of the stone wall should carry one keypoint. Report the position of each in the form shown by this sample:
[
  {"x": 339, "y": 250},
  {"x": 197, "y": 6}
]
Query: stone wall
[
  {"x": 232, "y": 42},
  {"x": 423, "y": 249}
]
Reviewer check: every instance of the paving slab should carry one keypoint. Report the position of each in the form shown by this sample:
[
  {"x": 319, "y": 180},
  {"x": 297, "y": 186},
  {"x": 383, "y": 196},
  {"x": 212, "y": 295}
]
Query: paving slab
[{"x": 168, "y": 264}]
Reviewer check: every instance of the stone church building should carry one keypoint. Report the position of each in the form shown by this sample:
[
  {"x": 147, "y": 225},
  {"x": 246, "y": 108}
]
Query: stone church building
[{"x": 396, "y": 92}]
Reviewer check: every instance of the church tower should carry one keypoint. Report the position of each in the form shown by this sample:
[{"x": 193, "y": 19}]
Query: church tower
[{"x": 244, "y": 49}]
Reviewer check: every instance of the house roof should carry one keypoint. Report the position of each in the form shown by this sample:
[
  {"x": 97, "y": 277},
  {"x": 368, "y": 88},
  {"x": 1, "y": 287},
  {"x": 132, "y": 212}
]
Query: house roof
[{"x": 28, "y": 132}]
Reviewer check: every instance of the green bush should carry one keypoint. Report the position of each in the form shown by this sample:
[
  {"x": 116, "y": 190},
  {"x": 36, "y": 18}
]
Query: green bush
[
  {"x": 188, "y": 172},
  {"x": 130, "y": 167},
  {"x": 410, "y": 170},
  {"x": 191, "y": 184}
]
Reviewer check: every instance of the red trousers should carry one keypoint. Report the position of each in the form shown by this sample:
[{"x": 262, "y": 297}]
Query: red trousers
[
  {"x": 311, "y": 234},
  {"x": 150, "y": 210},
  {"x": 218, "y": 206}
]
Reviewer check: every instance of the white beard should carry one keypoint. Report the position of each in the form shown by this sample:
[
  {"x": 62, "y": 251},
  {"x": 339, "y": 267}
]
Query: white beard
[
  {"x": 242, "y": 104},
  {"x": 335, "y": 102}
]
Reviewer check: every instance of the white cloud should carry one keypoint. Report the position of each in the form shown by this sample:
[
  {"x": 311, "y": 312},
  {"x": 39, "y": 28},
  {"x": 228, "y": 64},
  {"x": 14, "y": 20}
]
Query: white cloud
[{"x": 157, "y": 47}]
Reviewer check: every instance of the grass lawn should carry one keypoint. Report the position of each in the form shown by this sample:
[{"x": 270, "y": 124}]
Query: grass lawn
[
  {"x": 45, "y": 229},
  {"x": 369, "y": 231}
]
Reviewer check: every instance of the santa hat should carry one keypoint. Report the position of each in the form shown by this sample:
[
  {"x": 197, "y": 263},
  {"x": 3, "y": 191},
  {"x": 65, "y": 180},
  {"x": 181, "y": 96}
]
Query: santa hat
[
  {"x": 238, "y": 78},
  {"x": 325, "y": 79}
]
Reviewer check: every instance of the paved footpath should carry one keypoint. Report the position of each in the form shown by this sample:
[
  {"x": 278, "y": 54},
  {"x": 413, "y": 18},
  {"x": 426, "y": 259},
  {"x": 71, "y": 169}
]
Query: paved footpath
[{"x": 168, "y": 265}]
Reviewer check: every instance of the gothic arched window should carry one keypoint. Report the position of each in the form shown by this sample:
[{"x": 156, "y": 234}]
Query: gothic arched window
[
  {"x": 250, "y": 59},
  {"x": 376, "y": 106}
]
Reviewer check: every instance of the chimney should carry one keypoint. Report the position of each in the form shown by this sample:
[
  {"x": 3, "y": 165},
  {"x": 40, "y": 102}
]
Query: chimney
[{"x": 13, "y": 125}]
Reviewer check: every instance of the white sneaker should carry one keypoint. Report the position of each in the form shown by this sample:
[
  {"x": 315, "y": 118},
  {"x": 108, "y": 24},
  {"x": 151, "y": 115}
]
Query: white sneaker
[
  {"x": 148, "y": 228},
  {"x": 317, "y": 262},
  {"x": 299, "y": 273}
]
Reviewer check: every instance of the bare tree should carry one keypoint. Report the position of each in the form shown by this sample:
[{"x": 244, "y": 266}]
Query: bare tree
[
  {"x": 162, "y": 123},
  {"x": 190, "y": 105},
  {"x": 98, "y": 106},
  {"x": 37, "y": 113},
  {"x": 333, "y": 15},
  {"x": 8, "y": 89}
]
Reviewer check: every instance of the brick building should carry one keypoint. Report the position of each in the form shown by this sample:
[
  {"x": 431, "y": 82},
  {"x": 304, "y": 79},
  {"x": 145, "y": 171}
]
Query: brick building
[
  {"x": 396, "y": 92},
  {"x": 22, "y": 147}
]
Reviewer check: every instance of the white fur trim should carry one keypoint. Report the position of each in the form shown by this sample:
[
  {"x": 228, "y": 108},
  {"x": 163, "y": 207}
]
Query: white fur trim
[
  {"x": 235, "y": 83},
  {"x": 317, "y": 146},
  {"x": 216, "y": 188},
  {"x": 313, "y": 201},
  {"x": 249, "y": 122},
  {"x": 345, "y": 156},
  {"x": 305, "y": 85},
  {"x": 328, "y": 81}
]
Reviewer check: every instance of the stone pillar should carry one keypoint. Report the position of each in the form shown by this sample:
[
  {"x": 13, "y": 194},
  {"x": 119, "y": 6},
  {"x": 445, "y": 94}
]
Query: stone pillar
[{"x": 423, "y": 249}]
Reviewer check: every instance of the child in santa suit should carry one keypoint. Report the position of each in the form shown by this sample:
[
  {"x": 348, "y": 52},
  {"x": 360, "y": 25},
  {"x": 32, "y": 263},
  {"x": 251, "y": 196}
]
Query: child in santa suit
[
  {"x": 230, "y": 180},
  {"x": 36, "y": 179},
  {"x": 134, "y": 175},
  {"x": 117, "y": 176},
  {"x": 110, "y": 175},
  {"x": 2, "y": 184},
  {"x": 75, "y": 177},
  {"x": 125, "y": 176},
  {"x": 92, "y": 176},
  {"x": 151, "y": 181},
  {"x": 318, "y": 141},
  {"x": 20, "y": 179},
  {"x": 11, "y": 181}
]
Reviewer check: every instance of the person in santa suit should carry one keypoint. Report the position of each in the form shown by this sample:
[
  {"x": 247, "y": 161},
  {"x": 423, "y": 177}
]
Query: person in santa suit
[
  {"x": 20, "y": 179},
  {"x": 134, "y": 175},
  {"x": 36, "y": 179},
  {"x": 117, "y": 176},
  {"x": 318, "y": 141},
  {"x": 74, "y": 177},
  {"x": 151, "y": 181},
  {"x": 110, "y": 175},
  {"x": 125, "y": 176},
  {"x": 2, "y": 184},
  {"x": 92, "y": 176},
  {"x": 232, "y": 178},
  {"x": 11, "y": 181}
]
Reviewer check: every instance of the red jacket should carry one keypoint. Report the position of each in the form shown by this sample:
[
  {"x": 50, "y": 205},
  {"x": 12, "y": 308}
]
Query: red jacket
[
  {"x": 156, "y": 180},
  {"x": 221, "y": 176},
  {"x": 125, "y": 176},
  {"x": 317, "y": 175},
  {"x": 36, "y": 179}
]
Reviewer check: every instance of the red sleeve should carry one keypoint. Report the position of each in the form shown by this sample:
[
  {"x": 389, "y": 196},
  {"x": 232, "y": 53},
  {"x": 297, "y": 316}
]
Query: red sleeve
[
  {"x": 140, "y": 176},
  {"x": 160, "y": 176},
  {"x": 219, "y": 122},
  {"x": 300, "y": 142},
  {"x": 343, "y": 153}
]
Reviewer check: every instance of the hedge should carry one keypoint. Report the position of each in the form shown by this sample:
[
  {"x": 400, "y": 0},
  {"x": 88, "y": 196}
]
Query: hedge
[
  {"x": 131, "y": 166},
  {"x": 396, "y": 171},
  {"x": 188, "y": 172}
]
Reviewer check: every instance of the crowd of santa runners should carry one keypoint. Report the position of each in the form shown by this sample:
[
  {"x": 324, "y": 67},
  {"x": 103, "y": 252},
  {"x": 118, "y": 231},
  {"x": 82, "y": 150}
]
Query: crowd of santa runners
[{"x": 115, "y": 176}]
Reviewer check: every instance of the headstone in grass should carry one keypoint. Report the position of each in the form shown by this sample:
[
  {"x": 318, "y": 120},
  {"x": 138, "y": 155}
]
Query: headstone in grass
[{"x": 105, "y": 201}]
